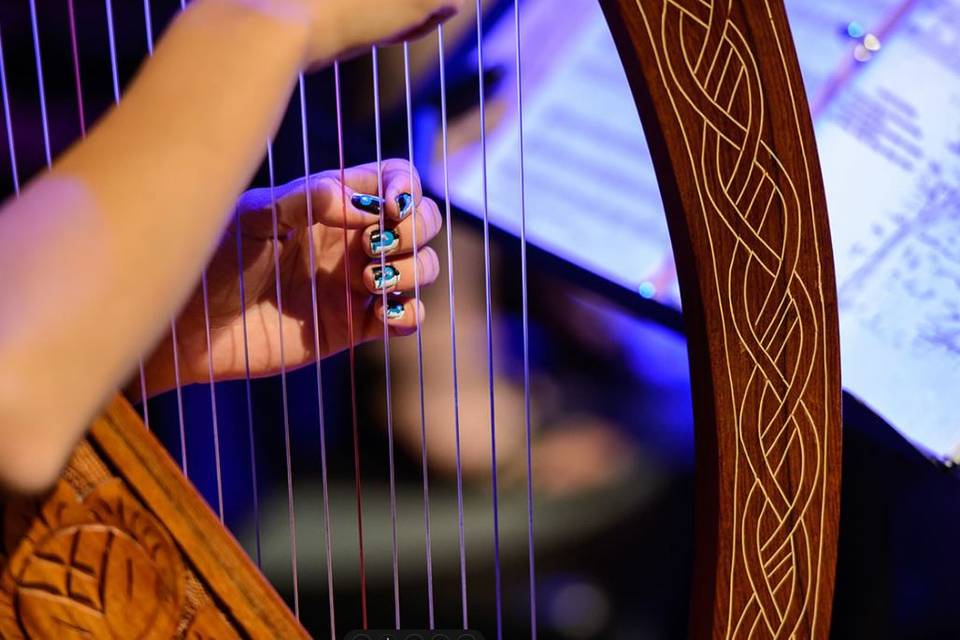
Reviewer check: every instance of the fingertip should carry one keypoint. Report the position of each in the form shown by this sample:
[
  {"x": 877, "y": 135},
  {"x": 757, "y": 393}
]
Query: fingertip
[
  {"x": 366, "y": 203},
  {"x": 402, "y": 314},
  {"x": 399, "y": 201},
  {"x": 377, "y": 241},
  {"x": 402, "y": 189},
  {"x": 433, "y": 219},
  {"x": 429, "y": 266}
]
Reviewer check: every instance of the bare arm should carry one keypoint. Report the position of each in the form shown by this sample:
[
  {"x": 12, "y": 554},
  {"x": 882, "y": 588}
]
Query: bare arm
[{"x": 126, "y": 219}]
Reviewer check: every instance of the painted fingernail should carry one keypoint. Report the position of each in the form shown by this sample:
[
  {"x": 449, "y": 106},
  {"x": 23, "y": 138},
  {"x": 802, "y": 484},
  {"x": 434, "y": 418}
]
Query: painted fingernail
[
  {"x": 385, "y": 279},
  {"x": 366, "y": 202},
  {"x": 404, "y": 203},
  {"x": 394, "y": 310},
  {"x": 384, "y": 242}
]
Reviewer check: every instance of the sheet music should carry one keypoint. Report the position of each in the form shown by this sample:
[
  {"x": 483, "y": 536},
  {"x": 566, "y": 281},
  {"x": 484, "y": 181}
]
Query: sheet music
[
  {"x": 890, "y": 151},
  {"x": 889, "y": 143},
  {"x": 820, "y": 31}
]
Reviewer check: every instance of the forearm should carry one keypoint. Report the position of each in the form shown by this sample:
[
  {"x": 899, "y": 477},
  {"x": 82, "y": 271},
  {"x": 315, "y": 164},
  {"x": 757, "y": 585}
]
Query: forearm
[{"x": 136, "y": 208}]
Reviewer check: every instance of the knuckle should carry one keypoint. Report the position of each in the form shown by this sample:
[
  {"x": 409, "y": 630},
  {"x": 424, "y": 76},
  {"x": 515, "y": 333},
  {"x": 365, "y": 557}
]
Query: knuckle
[{"x": 323, "y": 183}]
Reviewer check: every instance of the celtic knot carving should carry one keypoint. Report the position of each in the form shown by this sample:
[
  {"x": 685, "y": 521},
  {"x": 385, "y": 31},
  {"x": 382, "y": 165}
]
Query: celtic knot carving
[{"x": 757, "y": 216}]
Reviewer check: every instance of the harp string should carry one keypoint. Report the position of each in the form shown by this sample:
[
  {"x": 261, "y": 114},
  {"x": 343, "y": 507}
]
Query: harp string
[
  {"x": 247, "y": 388},
  {"x": 213, "y": 394},
  {"x": 489, "y": 320},
  {"x": 8, "y": 121},
  {"x": 111, "y": 38},
  {"x": 179, "y": 384},
  {"x": 348, "y": 294},
  {"x": 78, "y": 85},
  {"x": 206, "y": 315},
  {"x": 83, "y": 133},
  {"x": 374, "y": 53},
  {"x": 176, "y": 349},
  {"x": 311, "y": 250},
  {"x": 526, "y": 329},
  {"x": 43, "y": 94},
  {"x": 277, "y": 281},
  {"x": 419, "y": 336},
  {"x": 148, "y": 24},
  {"x": 112, "y": 43},
  {"x": 148, "y": 21},
  {"x": 453, "y": 326}
]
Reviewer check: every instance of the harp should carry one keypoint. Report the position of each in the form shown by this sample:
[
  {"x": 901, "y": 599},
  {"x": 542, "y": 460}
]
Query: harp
[{"x": 125, "y": 547}]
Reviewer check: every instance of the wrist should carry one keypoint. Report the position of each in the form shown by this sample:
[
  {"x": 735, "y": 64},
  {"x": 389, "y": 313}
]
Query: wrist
[{"x": 279, "y": 25}]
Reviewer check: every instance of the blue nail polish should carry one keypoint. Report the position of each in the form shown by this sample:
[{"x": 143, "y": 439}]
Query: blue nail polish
[
  {"x": 366, "y": 202},
  {"x": 405, "y": 203},
  {"x": 385, "y": 242},
  {"x": 383, "y": 280},
  {"x": 394, "y": 310}
]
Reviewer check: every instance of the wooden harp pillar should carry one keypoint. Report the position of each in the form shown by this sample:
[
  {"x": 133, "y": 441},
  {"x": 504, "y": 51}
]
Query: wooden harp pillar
[{"x": 718, "y": 87}]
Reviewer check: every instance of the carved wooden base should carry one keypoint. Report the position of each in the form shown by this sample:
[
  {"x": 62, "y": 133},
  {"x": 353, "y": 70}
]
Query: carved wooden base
[{"x": 124, "y": 547}]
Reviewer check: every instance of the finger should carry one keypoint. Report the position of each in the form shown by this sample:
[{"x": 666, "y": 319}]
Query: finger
[
  {"x": 400, "y": 192},
  {"x": 402, "y": 314},
  {"x": 326, "y": 206},
  {"x": 399, "y": 238},
  {"x": 395, "y": 172},
  {"x": 399, "y": 274}
]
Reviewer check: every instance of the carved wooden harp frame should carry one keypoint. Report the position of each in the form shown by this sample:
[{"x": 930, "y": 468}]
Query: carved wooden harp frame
[{"x": 125, "y": 544}]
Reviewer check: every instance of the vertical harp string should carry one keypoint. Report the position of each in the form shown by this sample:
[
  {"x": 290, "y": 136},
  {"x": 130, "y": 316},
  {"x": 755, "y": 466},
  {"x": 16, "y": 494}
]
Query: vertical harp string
[
  {"x": 526, "y": 329},
  {"x": 453, "y": 325},
  {"x": 489, "y": 320},
  {"x": 395, "y": 552},
  {"x": 348, "y": 299},
  {"x": 213, "y": 393},
  {"x": 419, "y": 336},
  {"x": 148, "y": 21},
  {"x": 42, "y": 91},
  {"x": 114, "y": 74},
  {"x": 311, "y": 249},
  {"x": 210, "y": 372},
  {"x": 248, "y": 391},
  {"x": 176, "y": 353},
  {"x": 8, "y": 121},
  {"x": 78, "y": 87}
]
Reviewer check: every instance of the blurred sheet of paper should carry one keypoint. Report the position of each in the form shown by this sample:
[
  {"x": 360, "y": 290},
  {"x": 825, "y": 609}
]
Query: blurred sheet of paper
[{"x": 890, "y": 151}]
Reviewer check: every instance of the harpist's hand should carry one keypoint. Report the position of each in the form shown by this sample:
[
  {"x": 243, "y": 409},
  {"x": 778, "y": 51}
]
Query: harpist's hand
[{"x": 263, "y": 323}]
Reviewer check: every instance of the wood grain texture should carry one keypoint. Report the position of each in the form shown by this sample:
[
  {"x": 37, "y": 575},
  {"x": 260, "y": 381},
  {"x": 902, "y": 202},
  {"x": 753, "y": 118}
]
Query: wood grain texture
[
  {"x": 719, "y": 91},
  {"x": 124, "y": 547}
]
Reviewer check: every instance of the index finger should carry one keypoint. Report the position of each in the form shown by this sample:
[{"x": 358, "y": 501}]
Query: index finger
[{"x": 401, "y": 188}]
